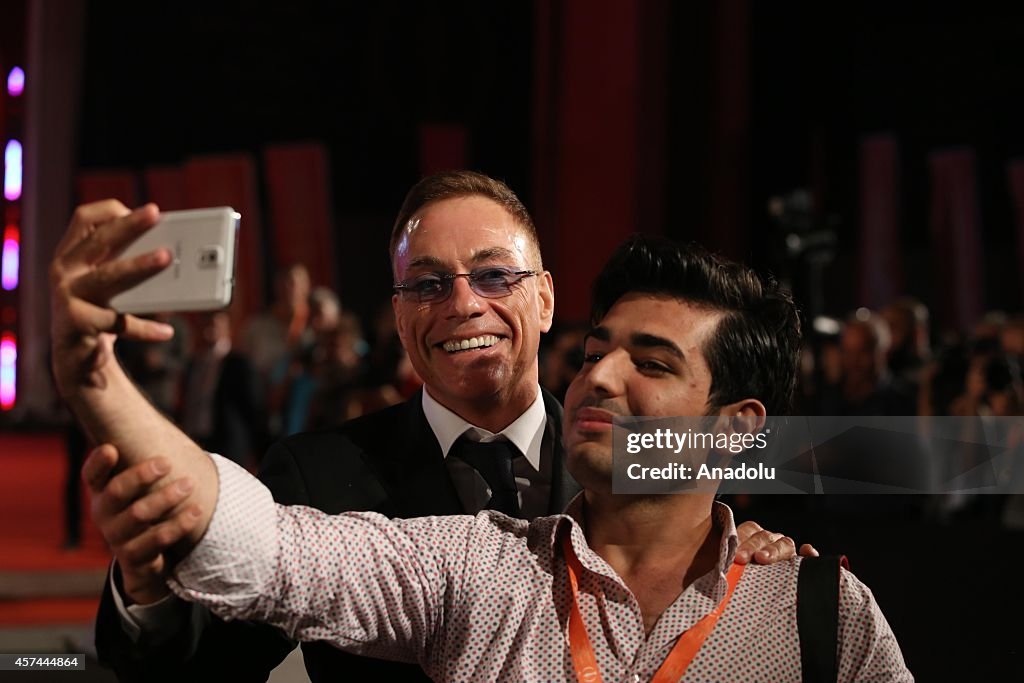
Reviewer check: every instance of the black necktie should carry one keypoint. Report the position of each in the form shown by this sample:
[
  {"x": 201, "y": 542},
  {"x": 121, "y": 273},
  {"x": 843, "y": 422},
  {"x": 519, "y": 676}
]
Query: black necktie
[{"x": 493, "y": 460}]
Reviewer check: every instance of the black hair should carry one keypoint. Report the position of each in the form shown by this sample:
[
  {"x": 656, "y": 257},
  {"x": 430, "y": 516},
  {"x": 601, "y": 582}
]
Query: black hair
[{"x": 754, "y": 350}]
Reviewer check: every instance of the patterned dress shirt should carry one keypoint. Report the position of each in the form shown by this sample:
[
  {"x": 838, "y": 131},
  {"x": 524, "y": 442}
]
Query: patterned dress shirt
[{"x": 486, "y": 598}]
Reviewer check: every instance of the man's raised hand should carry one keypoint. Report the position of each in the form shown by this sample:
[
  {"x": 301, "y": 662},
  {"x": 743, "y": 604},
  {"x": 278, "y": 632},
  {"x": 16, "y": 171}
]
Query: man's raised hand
[{"x": 84, "y": 275}]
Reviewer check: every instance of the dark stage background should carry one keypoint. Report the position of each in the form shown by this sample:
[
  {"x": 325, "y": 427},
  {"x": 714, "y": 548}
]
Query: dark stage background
[{"x": 724, "y": 106}]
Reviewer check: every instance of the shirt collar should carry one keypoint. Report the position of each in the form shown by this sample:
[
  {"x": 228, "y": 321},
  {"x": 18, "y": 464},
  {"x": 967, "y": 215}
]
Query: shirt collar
[
  {"x": 526, "y": 432},
  {"x": 721, "y": 517}
]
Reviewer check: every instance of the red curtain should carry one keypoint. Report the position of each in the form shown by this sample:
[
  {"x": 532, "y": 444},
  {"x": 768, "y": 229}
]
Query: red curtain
[
  {"x": 881, "y": 267},
  {"x": 956, "y": 242},
  {"x": 299, "y": 202},
  {"x": 598, "y": 134},
  {"x": 165, "y": 185},
  {"x": 230, "y": 180},
  {"x": 1016, "y": 177},
  {"x": 92, "y": 186},
  {"x": 443, "y": 147}
]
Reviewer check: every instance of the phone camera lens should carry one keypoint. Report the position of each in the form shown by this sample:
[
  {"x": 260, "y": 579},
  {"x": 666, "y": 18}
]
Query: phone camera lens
[{"x": 209, "y": 258}]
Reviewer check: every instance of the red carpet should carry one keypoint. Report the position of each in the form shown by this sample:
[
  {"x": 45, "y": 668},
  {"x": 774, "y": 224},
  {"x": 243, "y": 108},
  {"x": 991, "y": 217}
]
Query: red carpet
[
  {"x": 31, "y": 529},
  {"x": 48, "y": 611}
]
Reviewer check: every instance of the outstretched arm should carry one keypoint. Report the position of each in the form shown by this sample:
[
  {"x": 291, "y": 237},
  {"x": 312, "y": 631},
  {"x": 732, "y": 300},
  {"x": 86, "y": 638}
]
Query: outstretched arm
[{"x": 84, "y": 275}]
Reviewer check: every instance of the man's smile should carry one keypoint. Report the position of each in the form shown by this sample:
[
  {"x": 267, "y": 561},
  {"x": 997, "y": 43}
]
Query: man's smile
[{"x": 466, "y": 344}]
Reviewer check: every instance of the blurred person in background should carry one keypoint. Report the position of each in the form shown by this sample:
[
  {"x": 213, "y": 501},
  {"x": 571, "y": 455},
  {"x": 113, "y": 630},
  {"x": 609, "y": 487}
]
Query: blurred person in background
[
  {"x": 993, "y": 393},
  {"x": 1002, "y": 394},
  {"x": 944, "y": 380},
  {"x": 324, "y": 310},
  {"x": 821, "y": 364},
  {"x": 943, "y": 383},
  {"x": 985, "y": 362},
  {"x": 866, "y": 386},
  {"x": 863, "y": 454},
  {"x": 977, "y": 382},
  {"x": 1012, "y": 337},
  {"x": 223, "y": 409},
  {"x": 388, "y": 367},
  {"x": 159, "y": 368},
  {"x": 985, "y": 335},
  {"x": 271, "y": 338},
  {"x": 1005, "y": 382},
  {"x": 337, "y": 372},
  {"x": 910, "y": 346},
  {"x": 299, "y": 384},
  {"x": 562, "y": 358}
]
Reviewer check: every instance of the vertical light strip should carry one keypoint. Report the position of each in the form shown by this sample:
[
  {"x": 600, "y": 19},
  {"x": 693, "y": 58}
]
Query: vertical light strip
[
  {"x": 12, "y": 171},
  {"x": 10, "y": 258},
  {"x": 8, "y": 370},
  {"x": 10, "y": 247},
  {"x": 16, "y": 82}
]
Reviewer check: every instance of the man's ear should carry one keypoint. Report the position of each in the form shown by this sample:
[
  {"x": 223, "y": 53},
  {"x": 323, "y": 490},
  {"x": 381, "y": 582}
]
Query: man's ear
[
  {"x": 546, "y": 293},
  {"x": 742, "y": 417},
  {"x": 739, "y": 418}
]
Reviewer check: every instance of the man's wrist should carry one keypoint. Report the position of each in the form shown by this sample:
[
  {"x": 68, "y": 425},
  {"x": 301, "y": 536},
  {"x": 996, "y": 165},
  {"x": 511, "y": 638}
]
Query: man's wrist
[{"x": 136, "y": 596}]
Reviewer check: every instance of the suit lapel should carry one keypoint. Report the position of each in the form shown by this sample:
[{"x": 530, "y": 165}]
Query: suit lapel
[{"x": 412, "y": 469}]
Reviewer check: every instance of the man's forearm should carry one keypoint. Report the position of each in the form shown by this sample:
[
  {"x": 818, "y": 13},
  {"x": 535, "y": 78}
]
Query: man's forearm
[
  {"x": 85, "y": 274},
  {"x": 113, "y": 410}
]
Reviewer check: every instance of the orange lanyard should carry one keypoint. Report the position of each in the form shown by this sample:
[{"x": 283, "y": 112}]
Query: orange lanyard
[{"x": 674, "y": 666}]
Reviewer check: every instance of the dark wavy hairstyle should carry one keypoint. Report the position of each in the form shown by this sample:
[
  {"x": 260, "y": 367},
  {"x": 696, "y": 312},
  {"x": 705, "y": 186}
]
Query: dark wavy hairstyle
[{"x": 754, "y": 351}]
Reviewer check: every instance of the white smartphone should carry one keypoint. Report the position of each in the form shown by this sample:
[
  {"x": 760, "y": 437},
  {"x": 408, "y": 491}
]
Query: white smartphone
[{"x": 201, "y": 276}]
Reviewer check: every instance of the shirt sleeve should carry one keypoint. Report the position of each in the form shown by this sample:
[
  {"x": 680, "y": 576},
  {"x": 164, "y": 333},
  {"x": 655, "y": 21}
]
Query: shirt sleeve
[
  {"x": 358, "y": 580},
  {"x": 158, "y": 621},
  {"x": 868, "y": 650}
]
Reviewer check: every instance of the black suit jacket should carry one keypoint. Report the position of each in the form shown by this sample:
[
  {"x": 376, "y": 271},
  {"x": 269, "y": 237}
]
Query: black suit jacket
[{"x": 387, "y": 462}]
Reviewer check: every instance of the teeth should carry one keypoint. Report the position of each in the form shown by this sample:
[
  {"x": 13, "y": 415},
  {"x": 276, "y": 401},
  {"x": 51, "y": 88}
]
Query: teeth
[{"x": 474, "y": 343}]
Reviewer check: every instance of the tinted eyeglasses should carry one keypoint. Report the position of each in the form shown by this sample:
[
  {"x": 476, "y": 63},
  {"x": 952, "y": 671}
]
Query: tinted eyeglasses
[{"x": 492, "y": 282}]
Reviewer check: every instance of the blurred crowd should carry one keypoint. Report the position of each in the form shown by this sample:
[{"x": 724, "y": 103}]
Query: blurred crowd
[
  {"x": 884, "y": 363},
  {"x": 890, "y": 363}
]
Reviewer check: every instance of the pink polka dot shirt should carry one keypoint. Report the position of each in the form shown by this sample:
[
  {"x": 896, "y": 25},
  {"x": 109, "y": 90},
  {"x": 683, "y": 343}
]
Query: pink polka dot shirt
[{"x": 486, "y": 598}]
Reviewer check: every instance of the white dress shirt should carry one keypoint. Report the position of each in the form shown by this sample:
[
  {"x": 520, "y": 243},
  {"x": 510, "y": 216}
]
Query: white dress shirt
[{"x": 526, "y": 433}]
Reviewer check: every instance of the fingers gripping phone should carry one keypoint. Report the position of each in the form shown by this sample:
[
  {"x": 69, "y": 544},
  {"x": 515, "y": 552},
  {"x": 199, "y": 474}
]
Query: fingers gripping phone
[{"x": 201, "y": 275}]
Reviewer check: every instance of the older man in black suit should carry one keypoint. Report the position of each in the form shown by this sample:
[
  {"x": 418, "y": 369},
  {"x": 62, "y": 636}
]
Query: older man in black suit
[{"x": 471, "y": 301}]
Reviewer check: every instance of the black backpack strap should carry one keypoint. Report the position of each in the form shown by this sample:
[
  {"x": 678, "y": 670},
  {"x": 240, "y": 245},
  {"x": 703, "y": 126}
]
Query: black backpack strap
[{"x": 817, "y": 617}]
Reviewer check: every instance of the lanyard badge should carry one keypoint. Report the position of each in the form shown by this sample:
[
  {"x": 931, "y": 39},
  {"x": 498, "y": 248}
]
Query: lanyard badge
[{"x": 685, "y": 649}]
